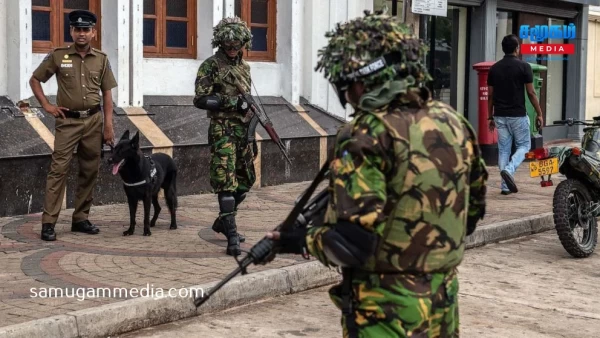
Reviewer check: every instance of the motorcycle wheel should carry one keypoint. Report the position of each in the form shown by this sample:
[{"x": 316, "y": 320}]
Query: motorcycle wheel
[{"x": 571, "y": 214}]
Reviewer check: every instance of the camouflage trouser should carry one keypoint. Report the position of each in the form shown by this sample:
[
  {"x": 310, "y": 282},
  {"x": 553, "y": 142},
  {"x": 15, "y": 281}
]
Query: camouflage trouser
[
  {"x": 402, "y": 305},
  {"x": 232, "y": 159}
]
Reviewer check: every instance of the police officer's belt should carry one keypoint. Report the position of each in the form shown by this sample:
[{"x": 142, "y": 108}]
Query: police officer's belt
[{"x": 79, "y": 114}]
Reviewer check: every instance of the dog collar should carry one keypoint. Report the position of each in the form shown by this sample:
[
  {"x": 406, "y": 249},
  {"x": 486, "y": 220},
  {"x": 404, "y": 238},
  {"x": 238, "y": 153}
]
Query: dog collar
[
  {"x": 135, "y": 184},
  {"x": 148, "y": 180}
]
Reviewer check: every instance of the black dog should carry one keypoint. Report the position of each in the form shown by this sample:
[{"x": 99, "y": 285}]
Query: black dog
[{"x": 143, "y": 176}]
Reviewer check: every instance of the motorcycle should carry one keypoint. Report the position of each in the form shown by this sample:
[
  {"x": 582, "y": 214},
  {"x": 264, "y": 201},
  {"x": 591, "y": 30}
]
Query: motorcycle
[{"x": 576, "y": 199}]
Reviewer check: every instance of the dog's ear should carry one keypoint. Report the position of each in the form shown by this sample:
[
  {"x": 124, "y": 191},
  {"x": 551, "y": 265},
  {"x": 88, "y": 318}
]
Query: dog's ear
[
  {"x": 135, "y": 141},
  {"x": 125, "y": 135}
]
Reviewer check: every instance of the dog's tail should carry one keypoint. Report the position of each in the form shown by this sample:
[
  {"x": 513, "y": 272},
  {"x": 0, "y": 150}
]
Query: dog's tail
[{"x": 170, "y": 187}]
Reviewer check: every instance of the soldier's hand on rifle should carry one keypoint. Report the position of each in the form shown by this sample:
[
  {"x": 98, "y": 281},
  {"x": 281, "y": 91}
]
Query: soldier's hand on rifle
[{"x": 290, "y": 242}]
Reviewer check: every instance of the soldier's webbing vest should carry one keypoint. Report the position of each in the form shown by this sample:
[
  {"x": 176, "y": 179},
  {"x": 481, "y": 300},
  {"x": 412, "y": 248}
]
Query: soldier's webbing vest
[
  {"x": 228, "y": 71},
  {"x": 428, "y": 192}
]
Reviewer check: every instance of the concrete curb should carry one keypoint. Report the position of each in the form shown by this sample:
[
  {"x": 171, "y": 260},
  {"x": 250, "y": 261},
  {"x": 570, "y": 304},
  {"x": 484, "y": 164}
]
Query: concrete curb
[
  {"x": 134, "y": 314},
  {"x": 510, "y": 229}
]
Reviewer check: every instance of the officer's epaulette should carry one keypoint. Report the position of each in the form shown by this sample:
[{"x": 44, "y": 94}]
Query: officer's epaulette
[
  {"x": 98, "y": 51},
  {"x": 60, "y": 48},
  {"x": 50, "y": 53}
]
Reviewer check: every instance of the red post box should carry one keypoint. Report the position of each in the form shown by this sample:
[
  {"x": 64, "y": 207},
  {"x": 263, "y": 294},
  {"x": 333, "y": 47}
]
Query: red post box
[{"x": 488, "y": 141}]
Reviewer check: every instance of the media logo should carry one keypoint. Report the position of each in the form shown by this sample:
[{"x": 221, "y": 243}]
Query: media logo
[{"x": 540, "y": 33}]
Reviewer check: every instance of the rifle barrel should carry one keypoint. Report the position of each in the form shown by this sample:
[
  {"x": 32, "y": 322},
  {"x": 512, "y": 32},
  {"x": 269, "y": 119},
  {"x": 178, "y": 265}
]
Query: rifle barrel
[{"x": 243, "y": 265}]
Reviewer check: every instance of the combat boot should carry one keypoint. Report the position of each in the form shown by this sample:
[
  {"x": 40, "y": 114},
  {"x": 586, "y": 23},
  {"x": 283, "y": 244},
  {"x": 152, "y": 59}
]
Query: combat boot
[
  {"x": 48, "y": 233},
  {"x": 218, "y": 228},
  {"x": 227, "y": 206},
  {"x": 233, "y": 238}
]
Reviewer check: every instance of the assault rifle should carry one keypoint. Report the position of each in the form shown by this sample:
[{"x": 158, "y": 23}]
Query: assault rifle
[
  {"x": 304, "y": 213},
  {"x": 256, "y": 112}
]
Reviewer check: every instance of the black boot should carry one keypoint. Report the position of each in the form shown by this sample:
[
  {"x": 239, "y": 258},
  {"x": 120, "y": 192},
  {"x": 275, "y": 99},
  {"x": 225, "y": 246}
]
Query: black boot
[
  {"x": 233, "y": 238},
  {"x": 227, "y": 206},
  {"x": 85, "y": 227},
  {"x": 239, "y": 198},
  {"x": 218, "y": 228},
  {"x": 48, "y": 233}
]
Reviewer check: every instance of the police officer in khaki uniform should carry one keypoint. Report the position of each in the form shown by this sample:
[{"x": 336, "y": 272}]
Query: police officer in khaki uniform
[{"x": 81, "y": 72}]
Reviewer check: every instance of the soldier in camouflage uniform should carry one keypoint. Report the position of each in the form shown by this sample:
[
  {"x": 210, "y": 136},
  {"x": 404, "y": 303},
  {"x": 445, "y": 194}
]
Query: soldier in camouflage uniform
[
  {"x": 407, "y": 185},
  {"x": 232, "y": 158}
]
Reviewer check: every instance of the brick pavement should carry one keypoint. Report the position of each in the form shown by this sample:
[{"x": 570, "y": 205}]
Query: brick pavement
[{"x": 190, "y": 255}]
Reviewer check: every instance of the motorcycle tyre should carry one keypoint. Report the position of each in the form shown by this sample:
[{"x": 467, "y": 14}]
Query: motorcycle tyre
[{"x": 561, "y": 219}]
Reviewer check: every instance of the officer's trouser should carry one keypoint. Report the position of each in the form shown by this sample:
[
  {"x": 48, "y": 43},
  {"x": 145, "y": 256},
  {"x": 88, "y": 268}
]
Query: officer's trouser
[{"x": 86, "y": 135}]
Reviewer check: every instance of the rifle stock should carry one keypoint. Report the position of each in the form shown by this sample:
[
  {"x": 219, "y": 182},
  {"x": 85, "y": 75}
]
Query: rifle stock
[{"x": 304, "y": 213}]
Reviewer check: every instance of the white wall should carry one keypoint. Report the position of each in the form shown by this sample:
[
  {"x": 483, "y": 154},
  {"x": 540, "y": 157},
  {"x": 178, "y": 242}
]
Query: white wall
[
  {"x": 593, "y": 57},
  {"x": 19, "y": 47},
  {"x": 50, "y": 87},
  {"x": 315, "y": 88},
  {"x": 163, "y": 76},
  {"x": 3, "y": 50},
  {"x": 284, "y": 45},
  {"x": 301, "y": 26},
  {"x": 116, "y": 44},
  {"x": 205, "y": 25},
  {"x": 170, "y": 76},
  {"x": 324, "y": 16}
]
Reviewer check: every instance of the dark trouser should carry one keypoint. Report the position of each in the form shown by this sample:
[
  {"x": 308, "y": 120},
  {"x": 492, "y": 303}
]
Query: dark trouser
[{"x": 86, "y": 135}]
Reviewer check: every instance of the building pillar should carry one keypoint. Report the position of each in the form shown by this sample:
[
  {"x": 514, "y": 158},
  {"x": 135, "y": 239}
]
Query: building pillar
[
  {"x": 218, "y": 14},
  {"x": 483, "y": 48},
  {"x": 292, "y": 65},
  {"x": 338, "y": 12},
  {"x": 315, "y": 86},
  {"x": 3, "y": 50},
  {"x": 136, "y": 53},
  {"x": 577, "y": 75},
  {"x": 115, "y": 43},
  {"x": 19, "y": 59},
  {"x": 412, "y": 19},
  {"x": 229, "y": 8},
  {"x": 204, "y": 26}
]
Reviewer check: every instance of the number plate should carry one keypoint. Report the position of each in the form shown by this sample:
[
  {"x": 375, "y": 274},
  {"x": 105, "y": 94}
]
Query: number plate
[{"x": 543, "y": 167}]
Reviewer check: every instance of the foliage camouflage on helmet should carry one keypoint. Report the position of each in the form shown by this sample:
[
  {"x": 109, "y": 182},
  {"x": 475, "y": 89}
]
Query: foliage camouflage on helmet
[
  {"x": 354, "y": 44},
  {"x": 232, "y": 29}
]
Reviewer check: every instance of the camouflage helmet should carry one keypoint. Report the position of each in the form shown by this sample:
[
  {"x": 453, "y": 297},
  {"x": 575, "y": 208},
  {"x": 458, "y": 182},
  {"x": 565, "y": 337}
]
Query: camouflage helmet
[
  {"x": 232, "y": 29},
  {"x": 372, "y": 49}
]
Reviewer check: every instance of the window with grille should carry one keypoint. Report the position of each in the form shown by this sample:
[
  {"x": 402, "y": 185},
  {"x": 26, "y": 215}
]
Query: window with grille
[
  {"x": 50, "y": 22},
  {"x": 169, "y": 28}
]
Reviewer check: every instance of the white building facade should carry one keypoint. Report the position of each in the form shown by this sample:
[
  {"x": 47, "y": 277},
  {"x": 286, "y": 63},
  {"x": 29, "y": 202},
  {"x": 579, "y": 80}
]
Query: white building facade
[{"x": 155, "y": 47}]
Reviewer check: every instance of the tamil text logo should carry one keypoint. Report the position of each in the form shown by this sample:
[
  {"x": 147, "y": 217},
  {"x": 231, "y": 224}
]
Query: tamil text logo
[{"x": 540, "y": 33}]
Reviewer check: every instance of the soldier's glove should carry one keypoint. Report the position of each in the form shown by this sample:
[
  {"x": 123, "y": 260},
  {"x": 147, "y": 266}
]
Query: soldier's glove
[
  {"x": 293, "y": 241},
  {"x": 242, "y": 105}
]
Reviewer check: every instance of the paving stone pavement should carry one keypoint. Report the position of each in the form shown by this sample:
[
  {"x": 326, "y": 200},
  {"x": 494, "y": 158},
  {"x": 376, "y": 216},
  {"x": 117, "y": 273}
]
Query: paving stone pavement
[{"x": 190, "y": 255}]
